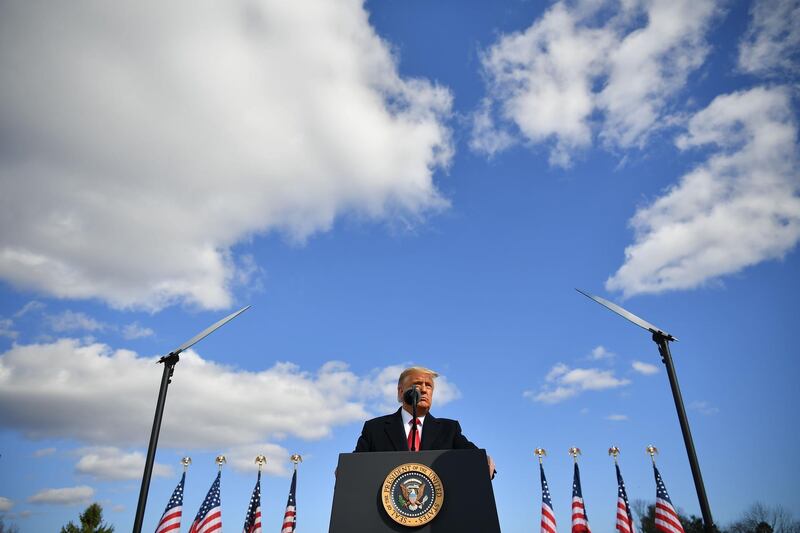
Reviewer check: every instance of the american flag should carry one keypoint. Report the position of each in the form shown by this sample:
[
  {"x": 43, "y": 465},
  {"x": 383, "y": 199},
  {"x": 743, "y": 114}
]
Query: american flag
[
  {"x": 209, "y": 517},
  {"x": 252, "y": 523},
  {"x": 580, "y": 522},
  {"x": 171, "y": 519},
  {"x": 290, "y": 516},
  {"x": 666, "y": 517},
  {"x": 548, "y": 516},
  {"x": 624, "y": 516}
]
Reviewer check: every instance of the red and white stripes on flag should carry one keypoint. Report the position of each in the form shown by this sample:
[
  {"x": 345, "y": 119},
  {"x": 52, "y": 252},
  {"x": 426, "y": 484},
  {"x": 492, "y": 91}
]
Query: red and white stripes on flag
[
  {"x": 548, "y": 516},
  {"x": 666, "y": 518},
  {"x": 290, "y": 516},
  {"x": 624, "y": 517},
  {"x": 209, "y": 517},
  {"x": 171, "y": 519},
  {"x": 580, "y": 522}
]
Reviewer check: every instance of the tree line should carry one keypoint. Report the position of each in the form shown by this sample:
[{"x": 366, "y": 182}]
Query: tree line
[{"x": 759, "y": 518}]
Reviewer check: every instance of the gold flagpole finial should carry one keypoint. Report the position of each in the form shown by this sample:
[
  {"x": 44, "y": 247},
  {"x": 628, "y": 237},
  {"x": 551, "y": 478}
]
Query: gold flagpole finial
[
  {"x": 186, "y": 461},
  {"x": 652, "y": 450},
  {"x": 614, "y": 452},
  {"x": 540, "y": 452},
  {"x": 220, "y": 460},
  {"x": 260, "y": 461},
  {"x": 296, "y": 458},
  {"x": 574, "y": 452}
]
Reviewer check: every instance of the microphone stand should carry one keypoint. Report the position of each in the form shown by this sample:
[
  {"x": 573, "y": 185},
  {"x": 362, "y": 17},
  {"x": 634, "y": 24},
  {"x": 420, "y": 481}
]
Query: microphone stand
[{"x": 415, "y": 398}]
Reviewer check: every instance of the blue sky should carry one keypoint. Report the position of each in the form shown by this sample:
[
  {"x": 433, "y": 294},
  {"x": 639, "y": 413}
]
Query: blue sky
[{"x": 392, "y": 183}]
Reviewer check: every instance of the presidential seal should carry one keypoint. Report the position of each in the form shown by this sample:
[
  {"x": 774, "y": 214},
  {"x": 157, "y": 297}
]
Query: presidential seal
[{"x": 412, "y": 494}]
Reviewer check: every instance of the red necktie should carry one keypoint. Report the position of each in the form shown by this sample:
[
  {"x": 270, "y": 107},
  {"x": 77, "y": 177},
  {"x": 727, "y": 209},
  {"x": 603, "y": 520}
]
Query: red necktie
[{"x": 413, "y": 444}]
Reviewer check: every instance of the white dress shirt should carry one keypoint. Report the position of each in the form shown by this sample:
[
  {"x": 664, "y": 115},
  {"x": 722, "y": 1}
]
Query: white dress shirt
[{"x": 407, "y": 423}]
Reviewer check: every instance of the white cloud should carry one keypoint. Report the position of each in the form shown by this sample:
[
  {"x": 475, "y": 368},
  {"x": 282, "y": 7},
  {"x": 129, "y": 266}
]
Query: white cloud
[
  {"x": 551, "y": 395},
  {"x": 548, "y": 83},
  {"x": 563, "y": 382},
  {"x": 541, "y": 81},
  {"x": 703, "y": 407},
  {"x": 617, "y": 418},
  {"x": 94, "y": 395},
  {"x": 64, "y": 496},
  {"x": 148, "y": 141},
  {"x": 600, "y": 352},
  {"x": 7, "y": 328},
  {"x": 5, "y": 504},
  {"x": 772, "y": 42},
  {"x": 74, "y": 321},
  {"x": 135, "y": 331},
  {"x": 29, "y": 307},
  {"x": 486, "y": 137},
  {"x": 242, "y": 458},
  {"x": 644, "y": 368},
  {"x": 109, "y": 463},
  {"x": 738, "y": 208},
  {"x": 44, "y": 452},
  {"x": 649, "y": 65},
  {"x": 557, "y": 371}
]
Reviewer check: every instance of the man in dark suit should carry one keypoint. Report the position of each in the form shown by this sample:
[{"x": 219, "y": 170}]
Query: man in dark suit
[{"x": 395, "y": 432}]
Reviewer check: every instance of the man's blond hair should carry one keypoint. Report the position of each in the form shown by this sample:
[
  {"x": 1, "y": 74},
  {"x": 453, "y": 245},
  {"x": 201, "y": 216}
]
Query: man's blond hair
[{"x": 415, "y": 370}]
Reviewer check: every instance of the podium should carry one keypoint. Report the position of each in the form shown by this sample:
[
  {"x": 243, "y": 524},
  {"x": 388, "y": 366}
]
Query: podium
[{"x": 364, "y": 483}]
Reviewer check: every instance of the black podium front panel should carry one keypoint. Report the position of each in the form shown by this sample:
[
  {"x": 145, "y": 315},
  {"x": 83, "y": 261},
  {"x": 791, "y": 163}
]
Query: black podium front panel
[{"x": 468, "y": 507}]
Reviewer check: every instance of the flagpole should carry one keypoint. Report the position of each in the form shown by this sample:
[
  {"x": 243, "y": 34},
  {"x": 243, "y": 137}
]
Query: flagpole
[
  {"x": 652, "y": 451},
  {"x": 574, "y": 453},
  {"x": 614, "y": 452},
  {"x": 539, "y": 452},
  {"x": 296, "y": 458}
]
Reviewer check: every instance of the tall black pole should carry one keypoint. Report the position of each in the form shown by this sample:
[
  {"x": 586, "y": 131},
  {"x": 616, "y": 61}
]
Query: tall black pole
[
  {"x": 663, "y": 348},
  {"x": 169, "y": 366},
  {"x": 662, "y": 339}
]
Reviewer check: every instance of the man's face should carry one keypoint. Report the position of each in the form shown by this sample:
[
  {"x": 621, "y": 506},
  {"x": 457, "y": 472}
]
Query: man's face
[{"x": 424, "y": 384}]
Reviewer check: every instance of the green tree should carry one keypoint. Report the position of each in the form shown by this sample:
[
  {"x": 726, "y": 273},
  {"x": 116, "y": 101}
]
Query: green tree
[
  {"x": 647, "y": 519},
  {"x": 91, "y": 522},
  {"x": 7, "y": 528}
]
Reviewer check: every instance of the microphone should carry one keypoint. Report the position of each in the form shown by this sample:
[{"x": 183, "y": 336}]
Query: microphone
[{"x": 411, "y": 396}]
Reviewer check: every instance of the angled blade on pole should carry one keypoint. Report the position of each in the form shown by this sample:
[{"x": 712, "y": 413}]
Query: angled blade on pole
[
  {"x": 624, "y": 313},
  {"x": 208, "y": 331}
]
